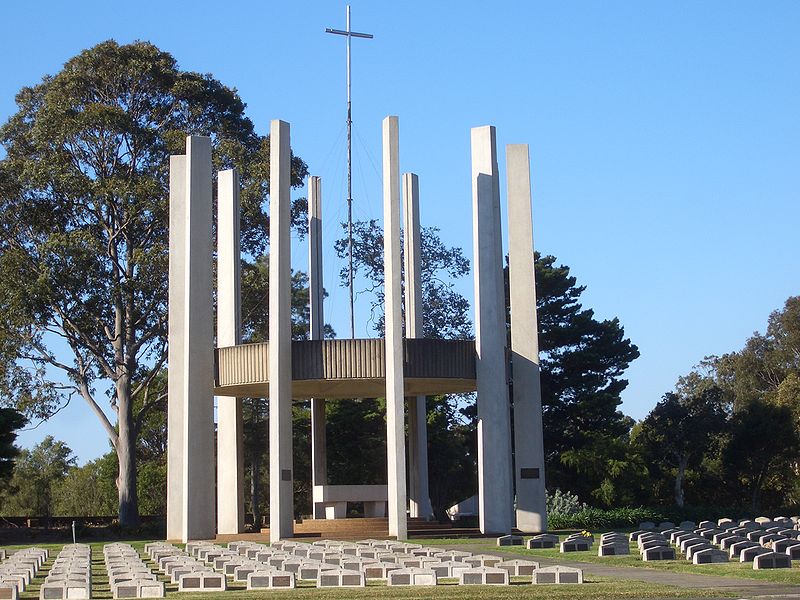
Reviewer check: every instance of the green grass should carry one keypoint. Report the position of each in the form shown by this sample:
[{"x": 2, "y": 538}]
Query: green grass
[
  {"x": 730, "y": 569},
  {"x": 594, "y": 588}
]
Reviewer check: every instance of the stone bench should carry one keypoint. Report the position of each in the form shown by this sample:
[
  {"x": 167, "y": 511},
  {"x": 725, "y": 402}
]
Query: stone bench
[{"x": 557, "y": 575}]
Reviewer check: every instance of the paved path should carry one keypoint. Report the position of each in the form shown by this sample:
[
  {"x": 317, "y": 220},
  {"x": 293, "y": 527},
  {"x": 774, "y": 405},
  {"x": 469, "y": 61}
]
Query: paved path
[{"x": 748, "y": 588}]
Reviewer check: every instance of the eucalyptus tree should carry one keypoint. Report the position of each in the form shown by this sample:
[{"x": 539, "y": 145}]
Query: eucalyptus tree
[{"x": 83, "y": 231}]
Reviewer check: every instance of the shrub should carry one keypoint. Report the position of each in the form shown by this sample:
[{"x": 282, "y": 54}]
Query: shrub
[
  {"x": 563, "y": 503},
  {"x": 598, "y": 519}
]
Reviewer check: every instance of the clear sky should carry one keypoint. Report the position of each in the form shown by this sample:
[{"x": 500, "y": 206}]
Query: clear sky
[{"x": 665, "y": 138}]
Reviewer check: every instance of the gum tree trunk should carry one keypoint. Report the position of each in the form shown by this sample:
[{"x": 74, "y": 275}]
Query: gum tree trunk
[{"x": 126, "y": 458}]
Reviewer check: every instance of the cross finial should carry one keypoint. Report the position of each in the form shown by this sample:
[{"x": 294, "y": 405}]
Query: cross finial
[{"x": 350, "y": 35}]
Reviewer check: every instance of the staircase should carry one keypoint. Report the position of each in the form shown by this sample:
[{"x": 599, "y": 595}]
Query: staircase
[{"x": 359, "y": 529}]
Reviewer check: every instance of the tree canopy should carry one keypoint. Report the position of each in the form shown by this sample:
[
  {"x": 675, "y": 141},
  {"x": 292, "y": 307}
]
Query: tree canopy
[
  {"x": 10, "y": 421},
  {"x": 83, "y": 230},
  {"x": 37, "y": 474},
  {"x": 582, "y": 365}
]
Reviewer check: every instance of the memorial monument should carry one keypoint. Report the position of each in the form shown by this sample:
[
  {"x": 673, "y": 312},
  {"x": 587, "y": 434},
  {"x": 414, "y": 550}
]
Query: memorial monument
[{"x": 402, "y": 368}]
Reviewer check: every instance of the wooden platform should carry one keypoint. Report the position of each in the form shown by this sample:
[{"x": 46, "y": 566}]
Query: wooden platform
[{"x": 358, "y": 529}]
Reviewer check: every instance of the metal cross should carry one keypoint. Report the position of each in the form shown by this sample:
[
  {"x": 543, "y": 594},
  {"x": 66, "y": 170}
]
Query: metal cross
[{"x": 350, "y": 34}]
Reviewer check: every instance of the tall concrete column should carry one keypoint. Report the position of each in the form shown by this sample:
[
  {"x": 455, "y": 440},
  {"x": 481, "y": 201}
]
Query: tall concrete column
[
  {"x": 198, "y": 347},
  {"x": 177, "y": 241},
  {"x": 230, "y": 442},
  {"x": 281, "y": 505},
  {"x": 319, "y": 459},
  {"x": 395, "y": 420},
  {"x": 527, "y": 393},
  {"x": 495, "y": 501},
  {"x": 419, "y": 497}
]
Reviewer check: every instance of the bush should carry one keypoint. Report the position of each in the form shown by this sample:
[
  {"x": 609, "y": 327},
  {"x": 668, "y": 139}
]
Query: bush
[
  {"x": 563, "y": 503},
  {"x": 598, "y": 519}
]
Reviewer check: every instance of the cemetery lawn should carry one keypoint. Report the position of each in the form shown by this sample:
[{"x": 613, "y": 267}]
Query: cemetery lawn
[
  {"x": 730, "y": 569},
  {"x": 594, "y": 588}
]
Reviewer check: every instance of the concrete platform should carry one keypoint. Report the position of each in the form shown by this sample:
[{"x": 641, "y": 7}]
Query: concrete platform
[{"x": 345, "y": 368}]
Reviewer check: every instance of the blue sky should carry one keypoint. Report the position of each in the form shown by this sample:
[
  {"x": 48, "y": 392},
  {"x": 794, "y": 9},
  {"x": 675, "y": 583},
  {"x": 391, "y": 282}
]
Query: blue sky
[{"x": 664, "y": 138}]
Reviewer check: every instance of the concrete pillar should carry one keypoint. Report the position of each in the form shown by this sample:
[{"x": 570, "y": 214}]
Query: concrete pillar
[
  {"x": 395, "y": 421},
  {"x": 198, "y": 347},
  {"x": 319, "y": 460},
  {"x": 281, "y": 505},
  {"x": 527, "y": 393},
  {"x": 419, "y": 497},
  {"x": 177, "y": 241},
  {"x": 495, "y": 501},
  {"x": 230, "y": 448}
]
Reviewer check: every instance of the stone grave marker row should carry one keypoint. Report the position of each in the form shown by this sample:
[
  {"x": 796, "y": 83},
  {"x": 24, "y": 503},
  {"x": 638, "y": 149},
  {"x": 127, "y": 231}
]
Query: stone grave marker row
[
  {"x": 71, "y": 574},
  {"x": 128, "y": 575},
  {"x": 18, "y": 569}
]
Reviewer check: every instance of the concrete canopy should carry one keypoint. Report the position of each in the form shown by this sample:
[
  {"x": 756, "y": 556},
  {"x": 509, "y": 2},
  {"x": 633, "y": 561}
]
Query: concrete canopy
[{"x": 349, "y": 368}]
